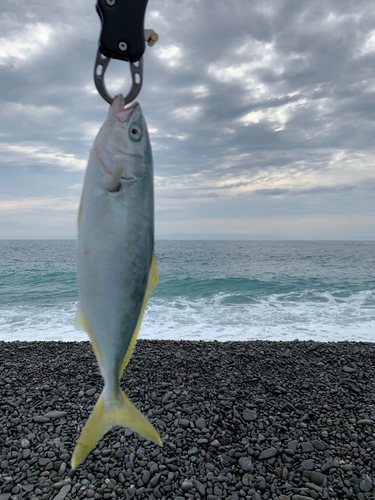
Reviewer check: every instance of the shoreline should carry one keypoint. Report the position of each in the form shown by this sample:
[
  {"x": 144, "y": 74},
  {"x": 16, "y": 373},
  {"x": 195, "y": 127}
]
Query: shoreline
[{"x": 238, "y": 419}]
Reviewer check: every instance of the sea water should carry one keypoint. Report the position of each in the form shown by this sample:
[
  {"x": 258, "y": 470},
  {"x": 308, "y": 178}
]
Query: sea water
[{"x": 207, "y": 290}]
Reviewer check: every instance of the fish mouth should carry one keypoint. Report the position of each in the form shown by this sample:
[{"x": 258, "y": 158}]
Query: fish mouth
[{"x": 125, "y": 113}]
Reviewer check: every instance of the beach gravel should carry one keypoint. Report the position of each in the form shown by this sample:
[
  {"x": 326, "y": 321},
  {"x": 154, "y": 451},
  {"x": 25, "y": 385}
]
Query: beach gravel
[{"x": 255, "y": 420}]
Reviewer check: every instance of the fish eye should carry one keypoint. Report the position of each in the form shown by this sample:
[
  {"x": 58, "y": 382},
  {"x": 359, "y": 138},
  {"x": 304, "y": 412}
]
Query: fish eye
[{"x": 135, "y": 133}]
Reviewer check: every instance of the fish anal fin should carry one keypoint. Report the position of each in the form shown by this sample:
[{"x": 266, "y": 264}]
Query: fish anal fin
[
  {"x": 103, "y": 417},
  {"x": 79, "y": 321},
  {"x": 151, "y": 283}
]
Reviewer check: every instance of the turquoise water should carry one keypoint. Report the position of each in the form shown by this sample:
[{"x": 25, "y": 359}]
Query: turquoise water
[{"x": 224, "y": 290}]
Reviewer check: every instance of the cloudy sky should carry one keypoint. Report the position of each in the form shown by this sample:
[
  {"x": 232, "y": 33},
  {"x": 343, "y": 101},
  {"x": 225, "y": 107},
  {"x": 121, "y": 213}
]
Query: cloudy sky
[{"x": 261, "y": 114}]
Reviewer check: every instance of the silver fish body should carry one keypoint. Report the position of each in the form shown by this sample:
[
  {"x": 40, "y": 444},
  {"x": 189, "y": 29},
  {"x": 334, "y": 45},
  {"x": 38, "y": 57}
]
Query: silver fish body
[{"x": 116, "y": 265}]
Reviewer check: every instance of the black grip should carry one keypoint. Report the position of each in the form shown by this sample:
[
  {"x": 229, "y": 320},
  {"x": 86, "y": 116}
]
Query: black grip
[{"x": 122, "y": 23}]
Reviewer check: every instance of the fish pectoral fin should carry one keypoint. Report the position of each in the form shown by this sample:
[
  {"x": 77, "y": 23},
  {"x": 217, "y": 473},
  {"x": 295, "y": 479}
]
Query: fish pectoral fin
[
  {"x": 115, "y": 182},
  {"x": 103, "y": 417}
]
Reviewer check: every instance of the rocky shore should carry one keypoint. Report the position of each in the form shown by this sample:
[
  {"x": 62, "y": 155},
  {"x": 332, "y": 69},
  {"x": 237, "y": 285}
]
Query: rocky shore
[{"x": 239, "y": 420}]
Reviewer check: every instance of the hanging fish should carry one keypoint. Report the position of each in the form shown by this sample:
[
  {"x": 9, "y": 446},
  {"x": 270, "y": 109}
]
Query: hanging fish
[{"x": 116, "y": 264}]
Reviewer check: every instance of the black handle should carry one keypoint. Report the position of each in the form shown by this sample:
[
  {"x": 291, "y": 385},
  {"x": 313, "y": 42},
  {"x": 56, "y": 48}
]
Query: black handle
[{"x": 122, "y": 35}]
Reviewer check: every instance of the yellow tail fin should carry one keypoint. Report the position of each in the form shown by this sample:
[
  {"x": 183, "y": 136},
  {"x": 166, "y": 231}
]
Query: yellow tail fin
[{"x": 103, "y": 417}]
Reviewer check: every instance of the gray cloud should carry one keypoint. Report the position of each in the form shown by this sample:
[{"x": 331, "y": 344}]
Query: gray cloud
[{"x": 245, "y": 101}]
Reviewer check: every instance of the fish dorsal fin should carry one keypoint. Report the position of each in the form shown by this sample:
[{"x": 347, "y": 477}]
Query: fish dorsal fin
[{"x": 151, "y": 283}]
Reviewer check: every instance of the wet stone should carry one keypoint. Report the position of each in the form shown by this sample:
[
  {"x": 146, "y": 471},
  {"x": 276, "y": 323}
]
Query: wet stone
[
  {"x": 200, "y": 423},
  {"x": 146, "y": 476},
  {"x": 365, "y": 421},
  {"x": 55, "y": 414},
  {"x": 348, "y": 369},
  {"x": 200, "y": 488},
  {"x": 167, "y": 396},
  {"x": 25, "y": 443},
  {"x": 63, "y": 492},
  {"x": 246, "y": 464},
  {"x": 301, "y": 497},
  {"x": 269, "y": 453},
  {"x": 365, "y": 485},
  {"x": 292, "y": 445},
  {"x": 249, "y": 415},
  {"x": 187, "y": 485},
  {"x": 308, "y": 465},
  {"x": 40, "y": 419},
  {"x": 307, "y": 447},
  {"x": 317, "y": 478},
  {"x": 318, "y": 445}
]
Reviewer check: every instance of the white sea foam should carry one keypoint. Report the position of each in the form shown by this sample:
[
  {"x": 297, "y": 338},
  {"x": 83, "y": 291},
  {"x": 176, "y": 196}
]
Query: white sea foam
[{"x": 318, "y": 316}]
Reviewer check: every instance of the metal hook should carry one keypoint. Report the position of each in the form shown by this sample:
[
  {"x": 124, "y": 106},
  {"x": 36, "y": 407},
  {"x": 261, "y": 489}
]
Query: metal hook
[{"x": 101, "y": 65}]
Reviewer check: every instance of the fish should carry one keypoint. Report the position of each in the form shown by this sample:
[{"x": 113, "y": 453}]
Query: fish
[{"x": 116, "y": 263}]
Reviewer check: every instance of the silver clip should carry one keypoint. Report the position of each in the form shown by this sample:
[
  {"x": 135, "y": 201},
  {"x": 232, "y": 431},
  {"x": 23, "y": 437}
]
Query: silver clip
[{"x": 136, "y": 69}]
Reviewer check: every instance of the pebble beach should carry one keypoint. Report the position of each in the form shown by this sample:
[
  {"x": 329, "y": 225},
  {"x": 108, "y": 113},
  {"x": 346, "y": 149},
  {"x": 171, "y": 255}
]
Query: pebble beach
[{"x": 239, "y": 420}]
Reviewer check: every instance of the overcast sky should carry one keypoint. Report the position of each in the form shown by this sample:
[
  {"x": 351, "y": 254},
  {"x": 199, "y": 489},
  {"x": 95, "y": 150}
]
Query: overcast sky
[{"x": 261, "y": 115}]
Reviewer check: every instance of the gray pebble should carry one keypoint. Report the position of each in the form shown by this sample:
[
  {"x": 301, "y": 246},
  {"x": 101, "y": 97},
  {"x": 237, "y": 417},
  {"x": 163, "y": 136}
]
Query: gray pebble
[
  {"x": 318, "y": 445},
  {"x": 146, "y": 476},
  {"x": 308, "y": 465},
  {"x": 155, "y": 480},
  {"x": 201, "y": 489},
  {"x": 269, "y": 453},
  {"x": 63, "y": 492},
  {"x": 28, "y": 487},
  {"x": 348, "y": 369},
  {"x": 365, "y": 421},
  {"x": 301, "y": 497},
  {"x": 249, "y": 415},
  {"x": 317, "y": 478},
  {"x": 366, "y": 484},
  {"x": 184, "y": 423},
  {"x": 200, "y": 423},
  {"x": 25, "y": 443},
  {"x": 187, "y": 485},
  {"x": 246, "y": 464},
  {"x": 314, "y": 487},
  {"x": 292, "y": 445},
  {"x": 55, "y": 414},
  {"x": 62, "y": 469},
  {"x": 215, "y": 443},
  {"x": 91, "y": 392},
  {"x": 40, "y": 419},
  {"x": 307, "y": 447},
  {"x": 167, "y": 396}
]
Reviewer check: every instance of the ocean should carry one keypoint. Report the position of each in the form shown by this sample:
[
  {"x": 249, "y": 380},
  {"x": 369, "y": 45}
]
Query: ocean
[{"x": 207, "y": 290}]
